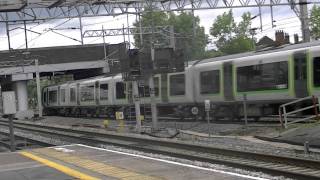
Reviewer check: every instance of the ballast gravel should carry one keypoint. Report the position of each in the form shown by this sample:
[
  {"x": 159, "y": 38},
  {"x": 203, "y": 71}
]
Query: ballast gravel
[
  {"x": 58, "y": 142},
  {"x": 196, "y": 132}
]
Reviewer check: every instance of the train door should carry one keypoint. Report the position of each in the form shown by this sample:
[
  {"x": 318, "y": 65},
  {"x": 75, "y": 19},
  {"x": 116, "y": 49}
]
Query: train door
[
  {"x": 227, "y": 75},
  {"x": 78, "y": 94},
  {"x": 300, "y": 74},
  {"x": 97, "y": 92},
  {"x": 164, "y": 90},
  {"x": 45, "y": 97}
]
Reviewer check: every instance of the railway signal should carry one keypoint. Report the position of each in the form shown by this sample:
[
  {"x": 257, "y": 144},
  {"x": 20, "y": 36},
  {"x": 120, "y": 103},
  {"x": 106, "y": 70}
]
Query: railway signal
[{"x": 137, "y": 65}]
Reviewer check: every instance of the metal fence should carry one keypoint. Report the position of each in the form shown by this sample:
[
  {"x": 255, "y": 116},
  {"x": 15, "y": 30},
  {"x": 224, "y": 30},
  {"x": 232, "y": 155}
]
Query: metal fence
[{"x": 284, "y": 113}]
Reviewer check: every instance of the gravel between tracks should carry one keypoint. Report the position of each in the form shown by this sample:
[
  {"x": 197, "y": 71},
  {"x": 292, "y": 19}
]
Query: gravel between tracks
[
  {"x": 234, "y": 136},
  {"x": 57, "y": 141}
]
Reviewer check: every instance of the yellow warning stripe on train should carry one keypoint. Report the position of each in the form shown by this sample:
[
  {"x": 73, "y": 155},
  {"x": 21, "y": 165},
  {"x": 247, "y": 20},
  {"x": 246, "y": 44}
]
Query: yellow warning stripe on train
[{"x": 59, "y": 167}]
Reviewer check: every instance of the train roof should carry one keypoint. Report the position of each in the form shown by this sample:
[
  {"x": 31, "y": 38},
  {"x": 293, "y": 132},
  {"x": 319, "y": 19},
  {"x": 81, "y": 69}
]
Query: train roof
[{"x": 258, "y": 52}]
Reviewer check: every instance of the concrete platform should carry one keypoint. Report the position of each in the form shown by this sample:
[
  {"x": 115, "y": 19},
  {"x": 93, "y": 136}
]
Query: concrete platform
[
  {"x": 14, "y": 166},
  {"x": 84, "y": 162}
]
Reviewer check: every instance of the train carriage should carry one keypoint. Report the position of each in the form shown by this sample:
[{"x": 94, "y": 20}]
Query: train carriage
[{"x": 266, "y": 79}]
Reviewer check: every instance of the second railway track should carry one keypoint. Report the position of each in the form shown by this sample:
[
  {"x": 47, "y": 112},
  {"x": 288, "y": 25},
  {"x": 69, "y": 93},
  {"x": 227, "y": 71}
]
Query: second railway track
[{"x": 277, "y": 165}]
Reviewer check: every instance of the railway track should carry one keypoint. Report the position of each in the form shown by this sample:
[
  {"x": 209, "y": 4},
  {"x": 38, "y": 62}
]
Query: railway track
[
  {"x": 277, "y": 165},
  {"x": 21, "y": 142}
]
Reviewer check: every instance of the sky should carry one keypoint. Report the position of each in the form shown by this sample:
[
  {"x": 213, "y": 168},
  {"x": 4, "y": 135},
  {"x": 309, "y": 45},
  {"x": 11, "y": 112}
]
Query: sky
[{"x": 285, "y": 19}]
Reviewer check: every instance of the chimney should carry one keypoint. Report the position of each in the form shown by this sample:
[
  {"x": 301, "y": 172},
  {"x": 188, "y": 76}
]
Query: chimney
[
  {"x": 287, "y": 39},
  {"x": 296, "y": 38},
  {"x": 280, "y": 38}
]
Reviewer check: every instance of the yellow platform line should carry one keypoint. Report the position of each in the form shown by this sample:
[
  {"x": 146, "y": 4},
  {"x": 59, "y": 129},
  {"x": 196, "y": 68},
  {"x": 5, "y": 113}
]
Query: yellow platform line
[
  {"x": 59, "y": 167},
  {"x": 98, "y": 167}
]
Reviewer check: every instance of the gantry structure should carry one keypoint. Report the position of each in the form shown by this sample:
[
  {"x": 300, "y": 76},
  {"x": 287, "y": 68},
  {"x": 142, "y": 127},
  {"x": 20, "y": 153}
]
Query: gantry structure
[{"x": 33, "y": 10}]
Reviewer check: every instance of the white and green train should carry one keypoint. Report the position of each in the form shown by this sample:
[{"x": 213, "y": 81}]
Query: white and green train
[{"x": 267, "y": 78}]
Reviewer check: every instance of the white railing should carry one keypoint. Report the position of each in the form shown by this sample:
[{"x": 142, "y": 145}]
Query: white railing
[{"x": 284, "y": 113}]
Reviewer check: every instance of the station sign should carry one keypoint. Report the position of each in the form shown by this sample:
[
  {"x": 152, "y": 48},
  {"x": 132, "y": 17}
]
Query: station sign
[
  {"x": 119, "y": 115},
  {"x": 207, "y": 105},
  {"x": 9, "y": 102}
]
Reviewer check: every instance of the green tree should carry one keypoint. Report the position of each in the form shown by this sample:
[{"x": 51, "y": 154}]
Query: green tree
[
  {"x": 243, "y": 28},
  {"x": 232, "y": 37},
  {"x": 223, "y": 28},
  {"x": 183, "y": 29},
  {"x": 315, "y": 22},
  {"x": 159, "y": 19}
]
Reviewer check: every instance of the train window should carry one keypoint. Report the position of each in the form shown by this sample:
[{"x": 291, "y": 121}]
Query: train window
[
  {"x": 104, "y": 91},
  {"x": 73, "y": 94},
  {"x": 62, "y": 95},
  {"x": 53, "y": 96},
  {"x": 45, "y": 97},
  {"x": 259, "y": 77},
  {"x": 177, "y": 85},
  {"x": 87, "y": 93},
  {"x": 120, "y": 90},
  {"x": 144, "y": 90},
  {"x": 156, "y": 86},
  {"x": 210, "y": 82},
  {"x": 316, "y": 71}
]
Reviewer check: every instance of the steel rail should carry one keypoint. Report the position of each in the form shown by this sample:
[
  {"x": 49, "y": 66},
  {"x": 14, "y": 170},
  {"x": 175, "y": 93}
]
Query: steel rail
[
  {"x": 20, "y": 139},
  {"x": 277, "y": 165}
]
